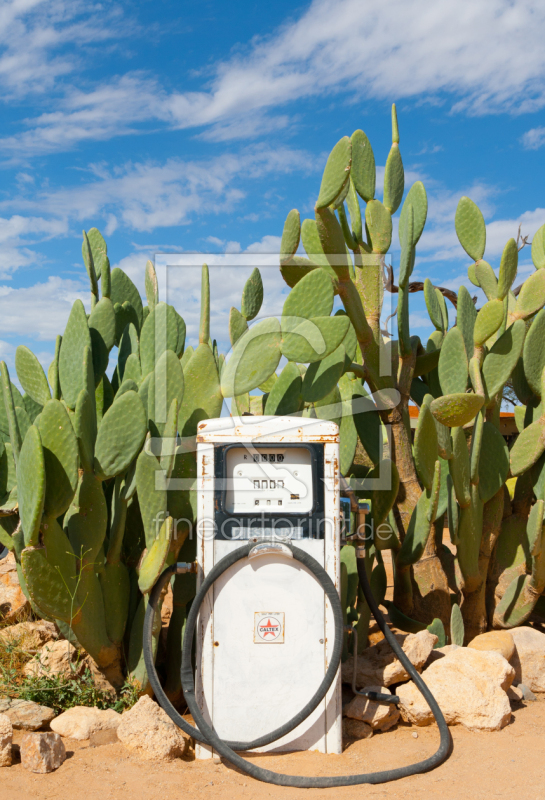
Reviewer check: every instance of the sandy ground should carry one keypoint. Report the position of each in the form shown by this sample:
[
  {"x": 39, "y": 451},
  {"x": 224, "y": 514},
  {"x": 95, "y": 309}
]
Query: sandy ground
[{"x": 508, "y": 764}]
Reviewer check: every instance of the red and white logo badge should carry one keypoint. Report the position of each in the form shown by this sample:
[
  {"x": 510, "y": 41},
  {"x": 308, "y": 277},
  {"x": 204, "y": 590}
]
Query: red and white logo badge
[{"x": 268, "y": 627}]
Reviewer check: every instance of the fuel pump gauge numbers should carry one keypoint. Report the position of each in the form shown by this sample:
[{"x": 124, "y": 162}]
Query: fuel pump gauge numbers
[{"x": 266, "y": 480}]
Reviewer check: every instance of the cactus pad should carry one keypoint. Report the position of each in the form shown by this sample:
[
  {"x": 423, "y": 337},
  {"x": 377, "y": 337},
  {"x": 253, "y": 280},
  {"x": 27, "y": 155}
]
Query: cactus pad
[
  {"x": 453, "y": 363},
  {"x": 336, "y": 172},
  {"x": 312, "y": 339},
  {"x": 418, "y": 201},
  {"x": 508, "y": 268},
  {"x": 123, "y": 290},
  {"x": 76, "y": 338},
  {"x": 155, "y": 558},
  {"x": 31, "y": 375},
  {"x": 456, "y": 410},
  {"x": 151, "y": 286},
  {"x": 285, "y": 396},
  {"x": 502, "y": 358},
  {"x": 60, "y": 453},
  {"x": 322, "y": 376},
  {"x": 291, "y": 236},
  {"x": 534, "y": 353},
  {"x": 159, "y": 333},
  {"x": 394, "y": 180},
  {"x": 50, "y": 575},
  {"x": 538, "y": 248},
  {"x": 470, "y": 228},
  {"x": 312, "y": 297},
  {"x": 120, "y": 435},
  {"x": 425, "y": 444},
  {"x": 252, "y": 296},
  {"x": 489, "y": 319},
  {"x": 379, "y": 226},
  {"x": 254, "y": 358},
  {"x": 532, "y": 295},
  {"x": 494, "y": 462},
  {"x": 363, "y": 170},
  {"x": 528, "y": 447},
  {"x": 31, "y": 485}
]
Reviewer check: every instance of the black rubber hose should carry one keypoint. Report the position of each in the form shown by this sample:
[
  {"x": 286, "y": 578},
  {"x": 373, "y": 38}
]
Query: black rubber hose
[
  {"x": 3, "y": 552},
  {"x": 207, "y": 735},
  {"x": 187, "y": 670}
]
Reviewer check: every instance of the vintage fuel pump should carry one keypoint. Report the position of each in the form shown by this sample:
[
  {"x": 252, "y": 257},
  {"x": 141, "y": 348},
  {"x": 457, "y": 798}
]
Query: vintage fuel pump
[
  {"x": 267, "y": 620},
  {"x": 277, "y": 479}
]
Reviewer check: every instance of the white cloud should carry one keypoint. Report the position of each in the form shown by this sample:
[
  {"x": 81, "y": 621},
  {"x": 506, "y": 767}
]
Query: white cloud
[
  {"x": 42, "y": 41},
  {"x": 364, "y": 50},
  {"x": 534, "y": 138},
  {"x": 147, "y": 196},
  {"x": 40, "y": 311}
]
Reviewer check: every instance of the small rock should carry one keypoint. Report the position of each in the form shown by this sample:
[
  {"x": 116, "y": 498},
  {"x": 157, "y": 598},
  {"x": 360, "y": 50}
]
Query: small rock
[
  {"x": 380, "y": 716},
  {"x": 470, "y": 688},
  {"x": 56, "y": 658},
  {"x": 529, "y": 657},
  {"x": 6, "y": 739},
  {"x": 500, "y": 641},
  {"x": 42, "y": 752},
  {"x": 378, "y": 664},
  {"x": 414, "y": 735},
  {"x": 30, "y": 636},
  {"x": 514, "y": 694},
  {"x": 13, "y": 603},
  {"x": 25, "y": 715},
  {"x": 80, "y": 722},
  {"x": 150, "y": 732},
  {"x": 527, "y": 693},
  {"x": 356, "y": 729},
  {"x": 216, "y": 760}
]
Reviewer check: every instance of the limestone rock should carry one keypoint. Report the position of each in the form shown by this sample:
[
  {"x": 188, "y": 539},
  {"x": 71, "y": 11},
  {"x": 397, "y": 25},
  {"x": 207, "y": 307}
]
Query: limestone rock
[
  {"x": 378, "y": 664},
  {"x": 81, "y": 722},
  {"x": 13, "y": 603},
  {"x": 30, "y": 636},
  {"x": 6, "y": 739},
  {"x": 25, "y": 715},
  {"x": 56, "y": 658},
  {"x": 529, "y": 657},
  {"x": 61, "y": 658},
  {"x": 500, "y": 641},
  {"x": 42, "y": 752},
  {"x": 470, "y": 687},
  {"x": 380, "y": 716},
  {"x": 356, "y": 729},
  {"x": 148, "y": 731}
]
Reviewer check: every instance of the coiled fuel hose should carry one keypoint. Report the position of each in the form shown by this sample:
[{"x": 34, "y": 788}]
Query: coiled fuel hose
[{"x": 205, "y": 734}]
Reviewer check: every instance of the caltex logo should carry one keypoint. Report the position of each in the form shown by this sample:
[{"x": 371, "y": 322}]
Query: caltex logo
[{"x": 269, "y": 627}]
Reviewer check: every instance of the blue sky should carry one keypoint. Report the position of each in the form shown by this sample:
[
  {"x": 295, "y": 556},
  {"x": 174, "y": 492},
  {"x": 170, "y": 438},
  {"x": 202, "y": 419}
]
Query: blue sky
[{"x": 180, "y": 127}]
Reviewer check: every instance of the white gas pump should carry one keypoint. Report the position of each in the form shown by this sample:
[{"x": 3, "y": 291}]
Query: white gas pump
[
  {"x": 265, "y": 630},
  {"x": 267, "y": 616}
]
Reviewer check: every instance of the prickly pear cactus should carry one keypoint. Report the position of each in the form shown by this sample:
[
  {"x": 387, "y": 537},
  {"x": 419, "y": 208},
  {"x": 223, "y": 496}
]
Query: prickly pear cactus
[
  {"x": 453, "y": 466},
  {"x": 87, "y": 463}
]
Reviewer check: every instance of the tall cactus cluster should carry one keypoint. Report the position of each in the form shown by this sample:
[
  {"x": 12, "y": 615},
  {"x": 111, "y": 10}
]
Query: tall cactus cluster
[
  {"x": 96, "y": 472},
  {"x": 457, "y": 467}
]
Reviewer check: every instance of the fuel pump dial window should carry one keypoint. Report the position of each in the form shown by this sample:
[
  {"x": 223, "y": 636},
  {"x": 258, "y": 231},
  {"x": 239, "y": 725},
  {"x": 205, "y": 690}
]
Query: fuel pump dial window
[{"x": 272, "y": 480}]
